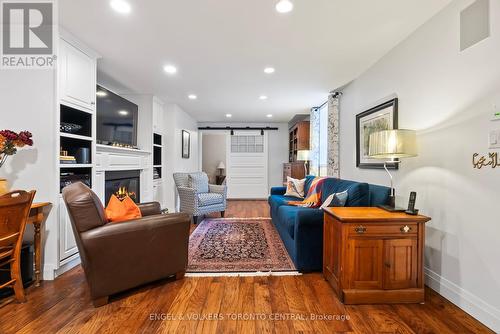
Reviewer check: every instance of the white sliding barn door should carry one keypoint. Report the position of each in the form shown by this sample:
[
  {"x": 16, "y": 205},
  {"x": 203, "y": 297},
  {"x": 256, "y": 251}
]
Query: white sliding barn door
[{"x": 247, "y": 173}]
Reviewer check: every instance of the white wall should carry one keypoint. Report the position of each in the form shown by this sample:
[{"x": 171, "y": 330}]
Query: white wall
[
  {"x": 177, "y": 120},
  {"x": 278, "y": 147},
  {"x": 214, "y": 148},
  {"x": 447, "y": 96},
  {"x": 27, "y": 102}
]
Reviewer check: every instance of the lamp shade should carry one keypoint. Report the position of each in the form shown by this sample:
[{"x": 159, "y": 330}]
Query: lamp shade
[
  {"x": 393, "y": 144},
  {"x": 303, "y": 155},
  {"x": 221, "y": 165}
]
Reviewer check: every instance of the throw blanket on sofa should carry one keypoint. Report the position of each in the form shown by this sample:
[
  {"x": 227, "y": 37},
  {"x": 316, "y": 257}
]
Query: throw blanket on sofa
[{"x": 313, "y": 198}]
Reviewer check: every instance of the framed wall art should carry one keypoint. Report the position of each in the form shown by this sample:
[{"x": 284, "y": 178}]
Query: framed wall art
[
  {"x": 186, "y": 144},
  {"x": 381, "y": 117}
]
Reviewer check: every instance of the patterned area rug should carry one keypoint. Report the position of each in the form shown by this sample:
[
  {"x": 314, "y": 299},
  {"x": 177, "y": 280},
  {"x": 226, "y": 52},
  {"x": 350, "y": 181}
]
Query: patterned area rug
[{"x": 237, "y": 245}]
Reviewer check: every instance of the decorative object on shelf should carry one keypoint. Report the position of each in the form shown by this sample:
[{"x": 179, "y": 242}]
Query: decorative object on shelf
[
  {"x": 156, "y": 174},
  {"x": 10, "y": 142},
  {"x": 83, "y": 155},
  {"x": 379, "y": 118},
  {"x": 393, "y": 145},
  {"x": 490, "y": 160},
  {"x": 69, "y": 127},
  {"x": 186, "y": 144},
  {"x": 303, "y": 155},
  {"x": 66, "y": 159}
]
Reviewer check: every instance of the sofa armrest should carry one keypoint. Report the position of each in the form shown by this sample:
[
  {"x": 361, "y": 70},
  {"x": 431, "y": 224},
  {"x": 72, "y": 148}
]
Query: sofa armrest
[
  {"x": 278, "y": 190},
  {"x": 149, "y": 209},
  {"x": 309, "y": 239},
  {"x": 219, "y": 189},
  {"x": 121, "y": 255},
  {"x": 188, "y": 199}
]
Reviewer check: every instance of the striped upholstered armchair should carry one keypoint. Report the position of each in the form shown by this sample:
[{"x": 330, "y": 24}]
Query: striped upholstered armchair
[{"x": 197, "y": 196}]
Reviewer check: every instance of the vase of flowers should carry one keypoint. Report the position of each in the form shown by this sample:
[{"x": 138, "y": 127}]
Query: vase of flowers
[{"x": 10, "y": 142}]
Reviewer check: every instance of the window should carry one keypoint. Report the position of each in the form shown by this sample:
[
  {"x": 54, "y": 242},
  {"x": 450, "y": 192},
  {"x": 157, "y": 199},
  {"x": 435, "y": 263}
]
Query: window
[
  {"x": 323, "y": 140},
  {"x": 247, "y": 144}
]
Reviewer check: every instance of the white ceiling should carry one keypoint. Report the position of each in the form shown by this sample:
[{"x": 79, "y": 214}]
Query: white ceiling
[{"x": 221, "y": 48}]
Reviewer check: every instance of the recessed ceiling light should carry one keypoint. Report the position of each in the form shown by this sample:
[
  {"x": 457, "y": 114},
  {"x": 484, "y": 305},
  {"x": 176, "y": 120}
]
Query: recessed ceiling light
[
  {"x": 170, "y": 69},
  {"x": 284, "y": 6},
  {"x": 262, "y": 97},
  {"x": 229, "y": 115},
  {"x": 101, "y": 93},
  {"x": 192, "y": 97},
  {"x": 123, "y": 112},
  {"x": 269, "y": 116},
  {"x": 269, "y": 70},
  {"x": 121, "y": 6}
]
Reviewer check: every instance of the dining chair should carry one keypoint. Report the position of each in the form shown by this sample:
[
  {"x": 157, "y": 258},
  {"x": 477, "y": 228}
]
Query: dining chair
[{"x": 14, "y": 211}]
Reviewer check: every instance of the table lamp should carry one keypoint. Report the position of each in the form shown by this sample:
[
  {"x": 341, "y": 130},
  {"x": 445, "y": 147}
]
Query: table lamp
[
  {"x": 392, "y": 145},
  {"x": 303, "y": 155},
  {"x": 221, "y": 167}
]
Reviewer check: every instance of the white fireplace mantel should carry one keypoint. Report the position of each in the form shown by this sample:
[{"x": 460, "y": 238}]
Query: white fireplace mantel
[{"x": 111, "y": 158}]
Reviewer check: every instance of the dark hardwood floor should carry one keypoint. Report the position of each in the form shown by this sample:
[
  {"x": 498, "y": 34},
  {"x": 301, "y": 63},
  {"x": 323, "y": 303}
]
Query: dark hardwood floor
[{"x": 277, "y": 304}]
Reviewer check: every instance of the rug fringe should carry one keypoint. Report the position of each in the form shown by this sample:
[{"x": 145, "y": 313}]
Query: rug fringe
[
  {"x": 252, "y": 218},
  {"x": 245, "y": 274}
]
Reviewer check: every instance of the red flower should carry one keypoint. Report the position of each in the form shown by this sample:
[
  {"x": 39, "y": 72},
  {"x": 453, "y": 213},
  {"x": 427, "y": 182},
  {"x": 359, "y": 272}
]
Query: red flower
[
  {"x": 9, "y": 135},
  {"x": 25, "y": 138}
]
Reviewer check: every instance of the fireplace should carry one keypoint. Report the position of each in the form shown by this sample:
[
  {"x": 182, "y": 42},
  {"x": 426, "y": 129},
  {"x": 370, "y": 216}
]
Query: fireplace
[{"x": 123, "y": 183}]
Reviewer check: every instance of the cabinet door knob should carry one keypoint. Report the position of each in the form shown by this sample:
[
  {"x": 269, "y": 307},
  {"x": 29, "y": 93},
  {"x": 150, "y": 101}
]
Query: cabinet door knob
[
  {"x": 405, "y": 229},
  {"x": 360, "y": 229}
]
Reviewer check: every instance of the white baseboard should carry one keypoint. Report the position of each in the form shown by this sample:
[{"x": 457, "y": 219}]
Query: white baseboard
[
  {"x": 68, "y": 264},
  {"x": 475, "y": 306}
]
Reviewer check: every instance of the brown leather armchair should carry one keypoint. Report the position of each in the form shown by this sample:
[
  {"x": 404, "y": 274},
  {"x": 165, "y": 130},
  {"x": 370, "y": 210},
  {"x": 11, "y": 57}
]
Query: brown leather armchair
[{"x": 120, "y": 256}]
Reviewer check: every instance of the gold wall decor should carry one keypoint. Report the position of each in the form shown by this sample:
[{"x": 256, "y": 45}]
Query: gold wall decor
[{"x": 484, "y": 161}]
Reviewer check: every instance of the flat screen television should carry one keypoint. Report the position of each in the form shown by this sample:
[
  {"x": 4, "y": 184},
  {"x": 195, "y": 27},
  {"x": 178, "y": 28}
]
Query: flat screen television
[{"x": 116, "y": 119}]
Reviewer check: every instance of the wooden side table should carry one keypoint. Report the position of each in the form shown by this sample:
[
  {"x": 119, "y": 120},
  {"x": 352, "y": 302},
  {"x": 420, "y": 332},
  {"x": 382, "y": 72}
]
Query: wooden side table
[{"x": 372, "y": 256}]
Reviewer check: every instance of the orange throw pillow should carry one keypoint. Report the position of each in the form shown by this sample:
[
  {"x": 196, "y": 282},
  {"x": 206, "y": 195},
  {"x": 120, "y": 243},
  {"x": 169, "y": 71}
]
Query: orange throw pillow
[{"x": 119, "y": 211}]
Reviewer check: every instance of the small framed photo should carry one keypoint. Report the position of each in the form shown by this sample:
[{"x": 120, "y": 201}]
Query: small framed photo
[
  {"x": 186, "y": 144},
  {"x": 379, "y": 118}
]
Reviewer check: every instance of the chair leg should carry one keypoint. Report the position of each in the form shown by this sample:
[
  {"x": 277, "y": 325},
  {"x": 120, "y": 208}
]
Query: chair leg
[
  {"x": 100, "y": 301},
  {"x": 15, "y": 272},
  {"x": 180, "y": 275},
  {"x": 222, "y": 214}
]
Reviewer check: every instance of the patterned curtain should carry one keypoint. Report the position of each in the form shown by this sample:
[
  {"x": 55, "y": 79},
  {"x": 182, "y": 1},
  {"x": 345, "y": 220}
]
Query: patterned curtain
[
  {"x": 333, "y": 134},
  {"x": 314, "y": 142}
]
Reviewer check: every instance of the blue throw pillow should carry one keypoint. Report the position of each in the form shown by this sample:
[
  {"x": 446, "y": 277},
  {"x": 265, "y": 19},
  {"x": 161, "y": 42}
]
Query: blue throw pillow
[{"x": 337, "y": 199}]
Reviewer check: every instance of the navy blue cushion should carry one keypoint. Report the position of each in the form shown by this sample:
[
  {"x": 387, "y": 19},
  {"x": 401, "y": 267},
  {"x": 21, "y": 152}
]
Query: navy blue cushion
[
  {"x": 275, "y": 201},
  {"x": 358, "y": 192},
  {"x": 379, "y": 195}
]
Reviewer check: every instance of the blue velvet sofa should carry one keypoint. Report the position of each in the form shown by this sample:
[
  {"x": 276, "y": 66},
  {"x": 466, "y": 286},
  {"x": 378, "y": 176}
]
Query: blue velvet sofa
[{"x": 301, "y": 229}]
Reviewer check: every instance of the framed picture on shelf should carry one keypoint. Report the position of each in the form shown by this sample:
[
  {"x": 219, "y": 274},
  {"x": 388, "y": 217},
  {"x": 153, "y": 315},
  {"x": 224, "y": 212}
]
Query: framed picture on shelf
[
  {"x": 186, "y": 144},
  {"x": 379, "y": 118}
]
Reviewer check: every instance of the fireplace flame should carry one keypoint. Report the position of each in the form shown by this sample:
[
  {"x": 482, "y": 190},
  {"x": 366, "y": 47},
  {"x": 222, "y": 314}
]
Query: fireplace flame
[{"x": 123, "y": 192}]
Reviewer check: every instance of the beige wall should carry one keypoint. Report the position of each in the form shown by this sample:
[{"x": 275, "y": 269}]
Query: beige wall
[{"x": 214, "y": 151}]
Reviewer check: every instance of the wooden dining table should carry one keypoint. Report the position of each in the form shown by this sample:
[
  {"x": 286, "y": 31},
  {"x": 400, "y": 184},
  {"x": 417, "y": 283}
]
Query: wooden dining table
[{"x": 37, "y": 218}]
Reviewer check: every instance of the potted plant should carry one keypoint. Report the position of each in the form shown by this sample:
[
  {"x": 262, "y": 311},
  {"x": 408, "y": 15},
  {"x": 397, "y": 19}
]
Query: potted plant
[{"x": 9, "y": 143}]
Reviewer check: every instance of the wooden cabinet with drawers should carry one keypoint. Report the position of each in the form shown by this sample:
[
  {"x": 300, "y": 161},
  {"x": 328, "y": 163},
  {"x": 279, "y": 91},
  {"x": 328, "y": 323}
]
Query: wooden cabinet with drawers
[{"x": 373, "y": 256}]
